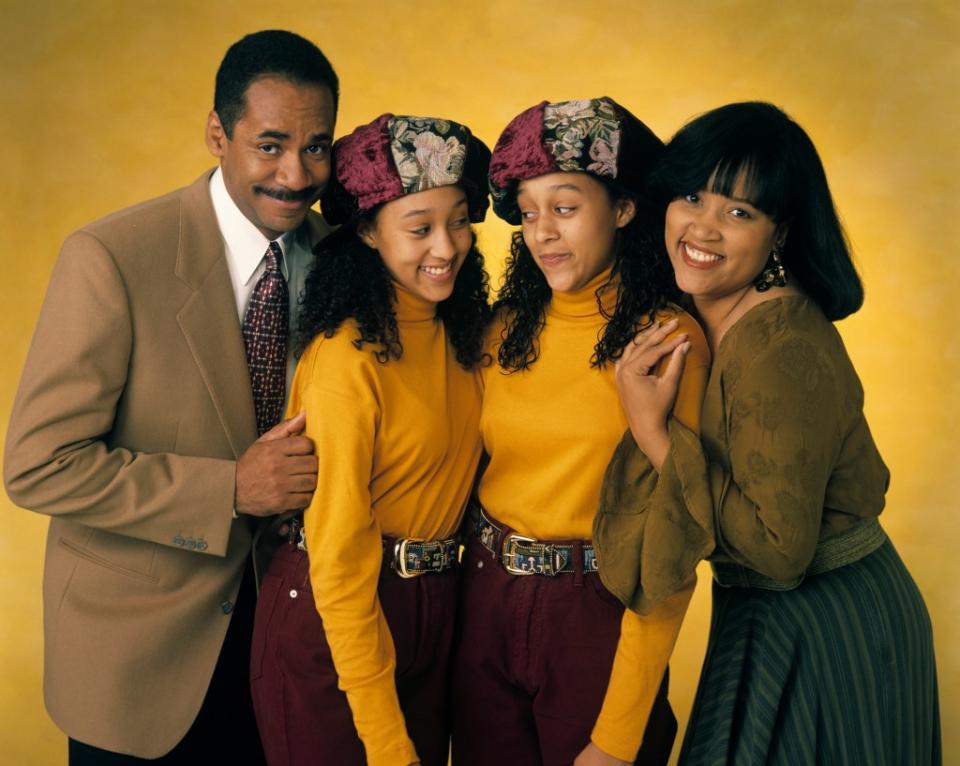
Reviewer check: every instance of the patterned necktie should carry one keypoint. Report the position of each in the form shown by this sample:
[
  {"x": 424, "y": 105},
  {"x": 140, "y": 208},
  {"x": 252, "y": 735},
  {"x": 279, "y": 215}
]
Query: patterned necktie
[{"x": 265, "y": 329}]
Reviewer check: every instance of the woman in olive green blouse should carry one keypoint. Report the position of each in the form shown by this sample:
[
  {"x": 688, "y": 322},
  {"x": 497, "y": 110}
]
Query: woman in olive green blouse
[{"x": 820, "y": 645}]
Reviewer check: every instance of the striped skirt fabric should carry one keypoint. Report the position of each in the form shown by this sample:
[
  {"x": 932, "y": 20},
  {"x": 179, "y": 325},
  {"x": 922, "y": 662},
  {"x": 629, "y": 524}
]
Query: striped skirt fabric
[{"x": 839, "y": 671}]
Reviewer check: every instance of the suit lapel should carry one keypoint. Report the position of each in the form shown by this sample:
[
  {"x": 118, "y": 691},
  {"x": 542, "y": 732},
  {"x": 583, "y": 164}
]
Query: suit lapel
[{"x": 209, "y": 320}]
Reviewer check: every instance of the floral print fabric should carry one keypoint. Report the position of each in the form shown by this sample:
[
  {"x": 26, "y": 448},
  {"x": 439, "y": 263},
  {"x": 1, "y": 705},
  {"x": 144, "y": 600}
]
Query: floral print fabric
[
  {"x": 596, "y": 136},
  {"x": 393, "y": 156},
  {"x": 583, "y": 135},
  {"x": 427, "y": 152}
]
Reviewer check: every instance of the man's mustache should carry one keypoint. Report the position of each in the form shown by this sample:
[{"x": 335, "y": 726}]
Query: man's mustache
[{"x": 288, "y": 195}]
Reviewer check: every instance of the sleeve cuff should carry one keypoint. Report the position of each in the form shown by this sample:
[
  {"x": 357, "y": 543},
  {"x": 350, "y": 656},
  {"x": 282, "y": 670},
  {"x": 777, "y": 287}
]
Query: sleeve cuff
[
  {"x": 652, "y": 530},
  {"x": 612, "y": 743},
  {"x": 402, "y": 756}
]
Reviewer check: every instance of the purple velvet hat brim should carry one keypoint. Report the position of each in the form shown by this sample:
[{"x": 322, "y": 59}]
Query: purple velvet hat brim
[
  {"x": 370, "y": 176},
  {"x": 594, "y": 136},
  {"x": 518, "y": 155},
  {"x": 365, "y": 173}
]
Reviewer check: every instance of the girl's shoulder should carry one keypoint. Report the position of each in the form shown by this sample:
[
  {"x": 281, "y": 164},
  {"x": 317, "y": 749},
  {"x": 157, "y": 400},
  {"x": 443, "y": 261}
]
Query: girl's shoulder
[
  {"x": 699, "y": 353},
  {"x": 338, "y": 351}
]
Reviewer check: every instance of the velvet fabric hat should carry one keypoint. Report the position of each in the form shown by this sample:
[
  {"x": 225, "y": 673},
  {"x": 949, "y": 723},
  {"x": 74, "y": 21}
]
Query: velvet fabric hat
[
  {"x": 397, "y": 155},
  {"x": 596, "y": 136}
]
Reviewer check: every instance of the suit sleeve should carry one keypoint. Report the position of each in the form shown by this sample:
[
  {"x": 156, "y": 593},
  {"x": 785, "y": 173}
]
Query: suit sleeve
[{"x": 58, "y": 460}]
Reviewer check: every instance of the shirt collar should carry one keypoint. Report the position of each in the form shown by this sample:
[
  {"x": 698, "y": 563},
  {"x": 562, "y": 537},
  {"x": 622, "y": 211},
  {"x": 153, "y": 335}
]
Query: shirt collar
[{"x": 244, "y": 242}]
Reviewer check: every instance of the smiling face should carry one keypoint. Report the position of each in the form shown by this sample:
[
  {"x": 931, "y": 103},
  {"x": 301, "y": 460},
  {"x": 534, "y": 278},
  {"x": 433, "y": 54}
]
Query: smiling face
[
  {"x": 278, "y": 161},
  {"x": 423, "y": 239},
  {"x": 569, "y": 224},
  {"x": 718, "y": 244}
]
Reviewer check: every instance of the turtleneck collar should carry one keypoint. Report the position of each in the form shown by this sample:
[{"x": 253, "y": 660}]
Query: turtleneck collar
[
  {"x": 583, "y": 302},
  {"x": 413, "y": 308}
]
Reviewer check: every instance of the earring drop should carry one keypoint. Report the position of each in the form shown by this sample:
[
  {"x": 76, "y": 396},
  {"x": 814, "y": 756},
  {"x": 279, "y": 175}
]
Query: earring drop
[{"x": 774, "y": 275}]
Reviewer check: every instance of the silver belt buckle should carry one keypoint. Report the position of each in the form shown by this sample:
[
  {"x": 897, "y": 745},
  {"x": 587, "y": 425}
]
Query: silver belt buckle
[
  {"x": 400, "y": 558},
  {"x": 508, "y": 557}
]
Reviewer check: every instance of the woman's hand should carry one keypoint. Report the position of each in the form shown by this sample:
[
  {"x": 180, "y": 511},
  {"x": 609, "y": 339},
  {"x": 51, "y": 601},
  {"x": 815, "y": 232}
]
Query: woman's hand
[
  {"x": 592, "y": 755},
  {"x": 647, "y": 399}
]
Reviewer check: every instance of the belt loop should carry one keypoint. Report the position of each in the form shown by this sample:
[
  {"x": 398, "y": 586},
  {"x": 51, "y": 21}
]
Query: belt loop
[
  {"x": 304, "y": 565},
  {"x": 578, "y": 564},
  {"x": 292, "y": 531}
]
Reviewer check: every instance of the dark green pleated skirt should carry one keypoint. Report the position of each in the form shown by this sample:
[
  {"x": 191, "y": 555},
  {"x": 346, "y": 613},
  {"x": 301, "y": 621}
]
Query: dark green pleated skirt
[{"x": 838, "y": 671}]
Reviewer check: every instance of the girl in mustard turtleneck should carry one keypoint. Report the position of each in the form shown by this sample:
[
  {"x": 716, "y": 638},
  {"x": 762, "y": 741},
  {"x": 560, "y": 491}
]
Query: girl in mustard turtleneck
[
  {"x": 549, "y": 669},
  {"x": 356, "y": 613}
]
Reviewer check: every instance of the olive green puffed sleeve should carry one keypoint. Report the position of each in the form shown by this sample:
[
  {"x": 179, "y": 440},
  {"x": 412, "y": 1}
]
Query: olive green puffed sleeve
[
  {"x": 621, "y": 521},
  {"x": 647, "y": 555}
]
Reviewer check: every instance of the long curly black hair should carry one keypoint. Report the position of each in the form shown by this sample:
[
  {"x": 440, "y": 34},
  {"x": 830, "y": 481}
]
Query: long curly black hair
[
  {"x": 349, "y": 280},
  {"x": 646, "y": 285}
]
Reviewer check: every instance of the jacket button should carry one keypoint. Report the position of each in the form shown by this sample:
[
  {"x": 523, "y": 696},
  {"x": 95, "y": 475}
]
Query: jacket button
[
  {"x": 201, "y": 545},
  {"x": 226, "y": 606}
]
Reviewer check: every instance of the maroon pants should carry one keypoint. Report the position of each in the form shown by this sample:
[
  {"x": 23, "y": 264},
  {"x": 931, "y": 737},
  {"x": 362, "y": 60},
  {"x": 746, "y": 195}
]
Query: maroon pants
[
  {"x": 302, "y": 715},
  {"x": 531, "y": 664}
]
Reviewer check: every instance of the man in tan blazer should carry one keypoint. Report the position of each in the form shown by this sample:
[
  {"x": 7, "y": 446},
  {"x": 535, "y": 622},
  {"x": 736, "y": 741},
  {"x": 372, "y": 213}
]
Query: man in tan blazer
[{"x": 134, "y": 428}]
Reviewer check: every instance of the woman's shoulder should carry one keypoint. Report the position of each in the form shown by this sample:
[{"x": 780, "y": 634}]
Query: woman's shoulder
[
  {"x": 788, "y": 340},
  {"x": 769, "y": 325}
]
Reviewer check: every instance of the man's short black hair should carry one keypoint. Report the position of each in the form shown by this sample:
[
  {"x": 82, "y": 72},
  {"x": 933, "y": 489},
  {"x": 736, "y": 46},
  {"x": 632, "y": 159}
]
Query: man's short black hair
[{"x": 261, "y": 54}]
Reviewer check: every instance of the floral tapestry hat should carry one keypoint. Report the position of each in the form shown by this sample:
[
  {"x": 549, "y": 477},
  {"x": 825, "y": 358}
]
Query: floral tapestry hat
[
  {"x": 596, "y": 136},
  {"x": 393, "y": 156}
]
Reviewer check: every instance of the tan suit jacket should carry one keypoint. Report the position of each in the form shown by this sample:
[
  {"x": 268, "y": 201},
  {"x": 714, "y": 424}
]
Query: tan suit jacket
[{"x": 134, "y": 405}]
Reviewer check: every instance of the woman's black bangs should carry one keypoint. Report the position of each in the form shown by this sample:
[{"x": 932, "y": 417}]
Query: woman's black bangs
[
  {"x": 733, "y": 162},
  {"x": 749, "y": 178}
]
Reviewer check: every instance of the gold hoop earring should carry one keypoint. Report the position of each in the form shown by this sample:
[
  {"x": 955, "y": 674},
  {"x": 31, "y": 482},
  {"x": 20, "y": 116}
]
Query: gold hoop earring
[{"x": 773, "y": 275}]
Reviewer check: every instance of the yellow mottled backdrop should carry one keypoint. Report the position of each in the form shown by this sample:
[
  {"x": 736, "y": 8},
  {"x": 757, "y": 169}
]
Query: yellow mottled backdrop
[{"x": 102, "y": 104}]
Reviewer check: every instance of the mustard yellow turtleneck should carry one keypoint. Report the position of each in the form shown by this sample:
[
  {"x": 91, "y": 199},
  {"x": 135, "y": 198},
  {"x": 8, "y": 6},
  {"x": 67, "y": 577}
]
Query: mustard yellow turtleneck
[
  {"x": 398, "y": 447},
  {"x": 550, "y": 432}
]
